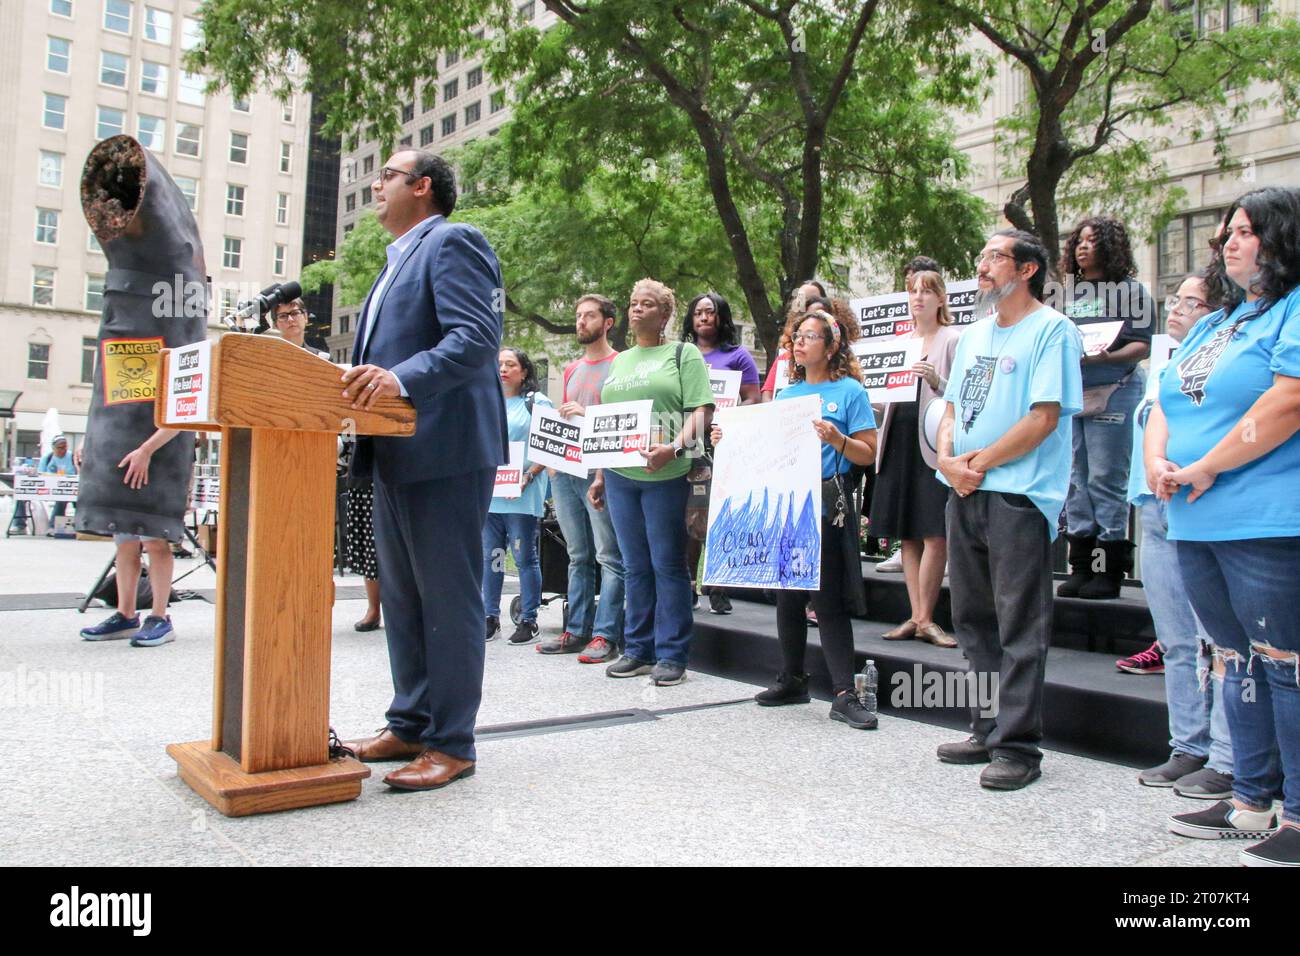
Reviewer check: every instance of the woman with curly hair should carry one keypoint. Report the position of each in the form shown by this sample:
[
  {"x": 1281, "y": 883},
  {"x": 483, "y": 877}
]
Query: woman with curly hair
[
  {"x": 799, "y": 303},
  {"x": 825, "y": 366},
  {"x": 1098, "y": 268}
]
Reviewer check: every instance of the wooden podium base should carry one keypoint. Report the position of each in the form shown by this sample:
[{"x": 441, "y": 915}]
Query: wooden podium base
[{"x": 218, "y": 779}]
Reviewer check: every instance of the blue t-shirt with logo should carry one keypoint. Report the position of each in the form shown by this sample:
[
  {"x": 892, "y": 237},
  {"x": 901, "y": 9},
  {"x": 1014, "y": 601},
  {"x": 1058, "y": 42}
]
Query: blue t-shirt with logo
[
  {"x": 1224, "y": 365},
  {"x": 845, "y": 405},
  {"x": 518, "y": 421},
  {"x": 998, "y": 374}
]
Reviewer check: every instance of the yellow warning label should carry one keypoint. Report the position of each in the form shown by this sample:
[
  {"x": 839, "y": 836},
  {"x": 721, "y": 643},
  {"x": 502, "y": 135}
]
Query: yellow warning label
[{"x": 130, "y": 370}]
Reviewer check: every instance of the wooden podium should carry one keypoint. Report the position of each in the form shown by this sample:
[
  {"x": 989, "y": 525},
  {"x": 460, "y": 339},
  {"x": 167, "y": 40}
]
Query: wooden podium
[{"x": 279, "y": 409}]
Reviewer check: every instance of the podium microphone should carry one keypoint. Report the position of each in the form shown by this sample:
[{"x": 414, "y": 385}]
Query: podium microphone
[{"x": 265, "y": 301}]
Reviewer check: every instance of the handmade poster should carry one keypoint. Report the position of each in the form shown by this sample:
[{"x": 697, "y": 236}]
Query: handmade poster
[
  {"x": 556, "y": 441},
  {"x": 887, "y": 368},
  {"x": 726, "y": 387},
  {"x": 615, "y": 434},
  {"x": 1098, "y": 336},
  {"x": 510, "y": 476},
  {"x": 886, "y": 316},
  {"x": 765, "y": 506},
  {"x": 189, "y": 388}
]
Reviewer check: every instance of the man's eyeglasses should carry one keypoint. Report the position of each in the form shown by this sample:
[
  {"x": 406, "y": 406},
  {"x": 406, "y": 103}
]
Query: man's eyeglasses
[
  {"x": 291, "y": 314},
  {"x": 386, "y": 174},
  {"x": 993, "y": 258},
  {"x": 1185, "y": 304}
]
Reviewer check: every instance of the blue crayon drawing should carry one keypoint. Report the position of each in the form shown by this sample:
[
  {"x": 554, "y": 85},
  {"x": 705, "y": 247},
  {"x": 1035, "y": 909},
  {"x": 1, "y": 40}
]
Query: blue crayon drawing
[{"x": 761, "y": 545}]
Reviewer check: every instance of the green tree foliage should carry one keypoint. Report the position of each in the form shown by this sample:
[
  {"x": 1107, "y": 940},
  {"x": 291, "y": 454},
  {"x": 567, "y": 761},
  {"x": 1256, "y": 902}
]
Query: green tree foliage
[{"x": 355, "y": 267}]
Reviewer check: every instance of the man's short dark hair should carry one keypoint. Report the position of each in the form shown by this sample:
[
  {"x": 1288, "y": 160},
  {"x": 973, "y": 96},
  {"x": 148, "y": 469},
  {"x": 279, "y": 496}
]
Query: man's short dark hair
[
  {"x": 607, "y": 308},
  {"x": 1029, "y": 248},
  {"x": 442, "y": 179},
  {"x": 921, "y": 264},
  {"x": 294, "y": 304}
]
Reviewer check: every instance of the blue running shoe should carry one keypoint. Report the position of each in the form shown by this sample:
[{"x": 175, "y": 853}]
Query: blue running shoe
[
  {"x": 156, "y": 630},
  {"x": 113, "y": 629}
]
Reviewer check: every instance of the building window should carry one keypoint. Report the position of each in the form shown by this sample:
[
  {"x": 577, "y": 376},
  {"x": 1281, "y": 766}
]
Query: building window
[
  {"x": 408, "y": 112},
  {"x": 286, "y": 157},
  {"x": 61, "y": 8},
  {"x": 117, "y": 15},
  {"x": 282, "y": 209},
  {"x": 51, "y": 169},
  {"x": 152, "y": 132},
  {"x": 47, "y": 226},
  {"x": 426, "y": 135},
  {"x": 38, "y": 360},
  {"x": 153, "y": 78},
  {"x": 56, "y": 110},
  {"x": 278, "y": 267},
  {"x": 366, "y": 196},
  {"x": 497, "y": 102},
  {"x": 90, "y": 347},
  {"x": 239, "y": 148},
  {"x": 112, "y": 69},
  {"x": 472, "y": 113},
  {"x": 450, "y": 90},
  {"x": 232, "y": 253},
  {"x": 474, "y": 77},
  {"x": 345, "y": 324},
  {"x": 367, "y": 165},
  {"x": 234, "y": 200},
  {"x": 287, "y": 115},
  {"x": 94, "y": 295},
  {"x": 405, "y": 141},
  {"x": 526, "y": 10},
  {"x": 451, "y": 58},
  {"x": 239, "y": 105},
  {"x": 110, "y": 123},
  {"x": 346, "y": 229},
  {"x": 92, "y": 243},
  {"x": 229, "y": 301},
  {"x": 158, "y": 26},
  {"x": 449, "y": 124},
  {"x": 191, "y": 89},
  {"x": 350, "y": 202},
  {"x": 349, "y": 171},
  {"x": 189, "y": 189},
  {"x": 42, "y": 286},
  {"x": 429, "y": 99},
  {"x": 191, "y": 33},
  {"x": 58, "y": 54},
  {"x": 1183, "y": 247},
  {"x": 187, "y": 139}
]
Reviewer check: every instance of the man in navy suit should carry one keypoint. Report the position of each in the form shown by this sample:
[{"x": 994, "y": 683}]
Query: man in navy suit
[{"x": 430, "y": 330}]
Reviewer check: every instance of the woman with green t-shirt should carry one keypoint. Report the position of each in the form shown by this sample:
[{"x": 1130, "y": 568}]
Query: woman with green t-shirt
[{"x": 648, "y": 503}]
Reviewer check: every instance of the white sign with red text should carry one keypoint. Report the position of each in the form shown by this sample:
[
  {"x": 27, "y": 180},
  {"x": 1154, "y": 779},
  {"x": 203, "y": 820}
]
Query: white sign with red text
[
  {"x": 189, "y": 384},
  {"x": 887, "y": 368},
  {"x": 510, "y": 476}
]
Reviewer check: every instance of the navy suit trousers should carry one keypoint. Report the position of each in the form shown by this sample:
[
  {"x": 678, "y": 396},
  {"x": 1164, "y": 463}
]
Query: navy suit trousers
[{"x": 428, "y": 537}]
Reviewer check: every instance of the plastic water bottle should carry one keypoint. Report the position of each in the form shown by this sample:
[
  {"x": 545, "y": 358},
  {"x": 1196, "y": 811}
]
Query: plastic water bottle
[{"x": 865, "y": 684}]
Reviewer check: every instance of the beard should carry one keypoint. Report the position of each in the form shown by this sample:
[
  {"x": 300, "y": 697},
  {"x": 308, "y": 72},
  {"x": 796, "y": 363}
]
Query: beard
[
  {"x": 586, "y": 338},
  {"x": 987, "y": 301}
]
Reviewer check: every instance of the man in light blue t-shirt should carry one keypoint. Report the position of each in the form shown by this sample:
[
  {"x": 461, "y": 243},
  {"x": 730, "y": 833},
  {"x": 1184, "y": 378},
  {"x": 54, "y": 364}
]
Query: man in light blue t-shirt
[{"x": 1004, "y": 449}]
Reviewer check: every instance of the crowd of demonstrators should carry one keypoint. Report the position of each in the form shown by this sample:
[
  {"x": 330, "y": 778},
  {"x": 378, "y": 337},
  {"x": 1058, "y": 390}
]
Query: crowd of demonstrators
[
  {"x": 1200, "y": 759},
  {"x": 593, "y": 630},
  {"x": 824, "y": 365},
  {"x": 516, "y": 521},
  {"x": 1004, "y": 449},
  {"x": 908, "y": 501},
  {"x": 708, "y": 325},
  {"x": 1098, "y": 268},
  {"x": 1222, "y": 448},
  {"x": 648, "y": 503}
]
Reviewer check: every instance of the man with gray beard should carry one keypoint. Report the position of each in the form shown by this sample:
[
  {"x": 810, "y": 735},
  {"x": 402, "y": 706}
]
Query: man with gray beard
[{"x": 1004, "y": 449}]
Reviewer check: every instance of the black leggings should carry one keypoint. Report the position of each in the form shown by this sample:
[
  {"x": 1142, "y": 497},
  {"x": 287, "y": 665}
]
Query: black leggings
[{"x": 833, "y": 620}]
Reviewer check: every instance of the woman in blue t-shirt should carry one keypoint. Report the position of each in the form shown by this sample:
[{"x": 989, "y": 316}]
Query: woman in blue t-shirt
[
  {"x": 824, "y": 365},
  {"x": 1223, "y": 448},
  {"x": 516, "y": 520}
]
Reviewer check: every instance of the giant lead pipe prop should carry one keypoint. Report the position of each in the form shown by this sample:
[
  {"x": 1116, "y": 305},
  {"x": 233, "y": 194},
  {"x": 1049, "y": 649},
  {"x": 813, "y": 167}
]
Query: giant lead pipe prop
[{"x": 155, "y": 297}]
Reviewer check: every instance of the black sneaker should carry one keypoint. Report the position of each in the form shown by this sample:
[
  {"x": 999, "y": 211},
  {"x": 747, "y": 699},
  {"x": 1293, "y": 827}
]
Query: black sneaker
[
  {"x": 695, "y": 601},
  {"x": 1205, "y": 784},
  {"x": 970, "y": 750},
  {"x": 848, "y": 709},
  {"x": 493, "y": 628},
  {"x": 668, "y": 673},
  {"x": 628, "y": 667},
  {"x": 525, "y": 633},
  {"x": 1178, "y": 765},
  {"x": 1003, "y": 773},
  {"x": 788, "y": 689},
  {"x": 566, "y": 643},
  {"x": 1281, "y": 849},
  {"x": 1223, "y": 821},
  {"x": 719, "y": 603}
]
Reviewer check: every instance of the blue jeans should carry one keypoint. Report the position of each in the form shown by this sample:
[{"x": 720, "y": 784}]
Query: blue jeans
[
  {"x": 650, "y": 522},
  {"x": 1245, "y": 595},
  {"x": 1198, "y": 724},
  {"x": 1097, "y": 506},
  {"x": 521, "y": 533},
  {"x": 593, "y": 550}
]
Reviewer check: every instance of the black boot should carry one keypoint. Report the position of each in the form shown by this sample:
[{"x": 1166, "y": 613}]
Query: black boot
[
  {"x": 1118, "y": 558},
  {"x": 788, "y": 689},
  {"x": 1080, "y": 565}
]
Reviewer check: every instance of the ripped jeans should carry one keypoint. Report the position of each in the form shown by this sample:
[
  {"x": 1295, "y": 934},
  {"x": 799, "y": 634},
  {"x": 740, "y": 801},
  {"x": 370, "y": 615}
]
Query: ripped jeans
[{"x": 1244, "y": 593}]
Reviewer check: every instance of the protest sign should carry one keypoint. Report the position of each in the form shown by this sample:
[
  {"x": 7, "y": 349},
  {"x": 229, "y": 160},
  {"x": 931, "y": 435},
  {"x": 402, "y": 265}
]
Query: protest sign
[
  {"x": 765, "y": 505},
  {"x": 887, "y": 368},
  {"x": 190, "y": 385},
  {"x": 615, "y": 434},
  {"x": 46, "y": 487},
  {"x": 782, "y": 377},
  {"x": 1162, "y": 349},
  {"x": 1098, "y": 336},
  {"x": 885, "y": 316},
  {"x": 510, "y": 476},
  {"x": 725, "y": 383},
  {"x": 556, "y": 441}
]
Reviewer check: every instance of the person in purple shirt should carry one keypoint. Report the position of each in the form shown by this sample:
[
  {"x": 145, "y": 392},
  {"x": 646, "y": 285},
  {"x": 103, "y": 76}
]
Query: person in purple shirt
[{"x": 708, "y": 324}]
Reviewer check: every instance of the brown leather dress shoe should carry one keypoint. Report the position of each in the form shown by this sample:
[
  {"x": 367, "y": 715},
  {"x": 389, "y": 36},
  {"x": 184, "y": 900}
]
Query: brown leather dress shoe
[
  {"x": 903, "y": 632},
  {"x": 386, "y": 745},
  {"x": 429, "y": 771},
  {"x": 933, "y": 634}
]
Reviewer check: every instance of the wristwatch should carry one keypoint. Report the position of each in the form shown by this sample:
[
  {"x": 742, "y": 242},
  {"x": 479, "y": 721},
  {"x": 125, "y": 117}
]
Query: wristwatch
[{"x": 679, "y": 451}]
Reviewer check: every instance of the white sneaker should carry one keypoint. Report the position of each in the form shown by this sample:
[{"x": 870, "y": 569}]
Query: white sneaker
[{"x": 892, "y": 564}]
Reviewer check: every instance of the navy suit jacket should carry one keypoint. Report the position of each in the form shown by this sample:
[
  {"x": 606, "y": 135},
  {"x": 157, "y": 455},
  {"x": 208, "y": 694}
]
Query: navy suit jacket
[{"x": 437, "y": 327}]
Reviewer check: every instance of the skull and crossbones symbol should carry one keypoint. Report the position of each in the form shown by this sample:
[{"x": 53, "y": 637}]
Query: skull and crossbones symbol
[{"x": 133, "y": 370}]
